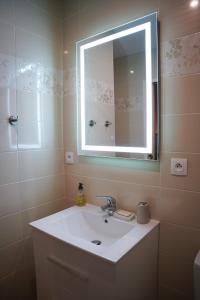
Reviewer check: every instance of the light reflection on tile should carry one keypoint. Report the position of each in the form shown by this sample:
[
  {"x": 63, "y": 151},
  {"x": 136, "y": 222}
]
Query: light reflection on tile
[
  {"x": 34, "y": 77},
  {"x": 8, "y": 137},
  {"x": 7, "y": 102}
]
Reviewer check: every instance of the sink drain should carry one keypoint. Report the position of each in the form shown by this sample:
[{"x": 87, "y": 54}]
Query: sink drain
[{"x": 96, "y": 242}]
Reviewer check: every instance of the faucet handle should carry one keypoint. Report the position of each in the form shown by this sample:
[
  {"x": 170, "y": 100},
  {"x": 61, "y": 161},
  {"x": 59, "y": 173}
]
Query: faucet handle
[{"x": 111, "y": 201}]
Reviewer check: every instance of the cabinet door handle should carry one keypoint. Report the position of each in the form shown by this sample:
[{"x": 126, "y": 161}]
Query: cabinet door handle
[{"x": 80, "y": 274}]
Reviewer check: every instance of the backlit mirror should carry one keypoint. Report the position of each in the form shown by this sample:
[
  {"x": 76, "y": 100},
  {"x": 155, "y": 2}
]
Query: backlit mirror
[{"x": 117, "y": 88}]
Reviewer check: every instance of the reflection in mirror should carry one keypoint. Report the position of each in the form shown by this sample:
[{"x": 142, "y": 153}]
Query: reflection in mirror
[
  {"x": 118, "y": 91},
  {"x": 35, "y": 139}
]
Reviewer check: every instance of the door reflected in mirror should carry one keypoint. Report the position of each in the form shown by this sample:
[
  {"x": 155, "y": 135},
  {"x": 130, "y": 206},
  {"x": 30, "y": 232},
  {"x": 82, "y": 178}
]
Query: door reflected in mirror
[{"x": 117, "y": 79}]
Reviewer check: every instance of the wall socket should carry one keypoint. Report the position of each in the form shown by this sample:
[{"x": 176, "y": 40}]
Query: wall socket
[
  {"x": 179, "y": 166},
  {"x": 69, "y": 158}
]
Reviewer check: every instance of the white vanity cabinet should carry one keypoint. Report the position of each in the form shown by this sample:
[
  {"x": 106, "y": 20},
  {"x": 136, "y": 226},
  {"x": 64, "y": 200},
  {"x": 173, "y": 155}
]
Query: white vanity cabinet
[{"x": 66, "y": 272}]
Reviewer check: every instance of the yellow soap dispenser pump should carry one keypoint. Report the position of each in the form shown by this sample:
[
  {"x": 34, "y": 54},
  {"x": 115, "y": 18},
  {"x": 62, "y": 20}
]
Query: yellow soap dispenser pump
[{"x": 80, "y": 197}]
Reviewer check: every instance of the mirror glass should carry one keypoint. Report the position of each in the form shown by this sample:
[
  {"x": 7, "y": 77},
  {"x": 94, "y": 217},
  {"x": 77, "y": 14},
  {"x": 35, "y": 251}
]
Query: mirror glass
[{"x": 117, "y": 80}]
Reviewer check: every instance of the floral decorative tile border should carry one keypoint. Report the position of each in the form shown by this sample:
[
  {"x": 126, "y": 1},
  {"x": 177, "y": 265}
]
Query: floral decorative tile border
[
  {"x": 182, "y": 55},
  {"x": 29, "y": 76}
]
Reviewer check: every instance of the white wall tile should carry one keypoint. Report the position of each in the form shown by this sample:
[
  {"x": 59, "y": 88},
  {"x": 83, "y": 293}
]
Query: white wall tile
[
  {"x": 7, "y": 102},
  {"x": 50, "y": 6},
  {"x": 33, "y": 164},
  {"x": 10, "y": 257},
  {"x": 7, "y": 11},
  {"x": 29, "y": 46},
  {"x": 7, "y": 71},
  {"x": 9, "y": 199},
  {"x": 8, "y": 167},
  {"x": 10, "y": 229},
  {"x": 31, "y": 106},
  {"x": 36, "y": 21},
  {"x": 8, "y": 135},
  {"x": 7, "y": 35},
  {"x": 33, "y": 141},
  {"x": 38, "y": 191}
]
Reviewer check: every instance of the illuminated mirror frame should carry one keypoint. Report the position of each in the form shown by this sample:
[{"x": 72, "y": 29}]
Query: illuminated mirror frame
[{"x": 105, "y": 37}]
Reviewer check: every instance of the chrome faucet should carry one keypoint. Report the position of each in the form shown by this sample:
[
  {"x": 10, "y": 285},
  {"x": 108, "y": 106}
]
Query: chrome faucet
[{"x": 110, "y": 206}]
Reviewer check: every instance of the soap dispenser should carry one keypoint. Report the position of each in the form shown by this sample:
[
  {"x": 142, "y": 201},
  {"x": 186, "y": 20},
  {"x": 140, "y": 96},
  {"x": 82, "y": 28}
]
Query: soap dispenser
[{"x": 80, "y": 197}]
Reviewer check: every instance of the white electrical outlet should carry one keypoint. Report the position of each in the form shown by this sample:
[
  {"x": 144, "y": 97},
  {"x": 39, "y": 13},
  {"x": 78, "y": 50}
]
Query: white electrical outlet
[
  {"x": 69, "y": 158},
  {"x": 179, "y": 166}
]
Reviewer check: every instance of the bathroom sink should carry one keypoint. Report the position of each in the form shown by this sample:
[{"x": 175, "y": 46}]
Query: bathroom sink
[
  {"x": 90, "y": 225},
  {"x": 89, "y": 229}
]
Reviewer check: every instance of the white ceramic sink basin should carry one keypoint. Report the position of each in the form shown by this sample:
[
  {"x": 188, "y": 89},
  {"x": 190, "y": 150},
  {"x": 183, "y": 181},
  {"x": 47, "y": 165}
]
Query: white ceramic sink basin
[
  {"x": 91, "y": 225},
  {"x": 81, "y": 226}
]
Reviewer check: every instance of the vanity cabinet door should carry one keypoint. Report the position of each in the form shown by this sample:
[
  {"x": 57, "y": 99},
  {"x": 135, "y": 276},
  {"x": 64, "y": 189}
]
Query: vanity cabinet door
[{"x": 65, "y": 281}]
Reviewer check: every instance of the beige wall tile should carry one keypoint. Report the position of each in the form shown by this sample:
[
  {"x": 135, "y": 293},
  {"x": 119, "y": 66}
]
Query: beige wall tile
[
  {"x": 127, "y": 194},
  {"x": 7, "y": 102},
  {"x": 176, "y": 274},
  {"x": 19, "y": 285},
  {"x": 7, "y": 36},
  {"x": 171, "y": 294},
  {"x": 53, "y": 137},
  {"x": 55, "y": 108},
  {"x": 9, "y": 258},
  {"x": 45, "y": 125},
  {"x": 71, "y": 8},
  {"x": 36, "y": 192},
  {"x": 178, "y": 19},
  {"x": 96, "y": 17},
  {"x": 7, "y": 10},
  {"x": 189, "y": 182},
  {"x": 9, "y": 199},
  {"x": 29, "y": 46},
  {"x": 8, "y": 137},
  {"x": 179, "y": 241},
  {"x": 34, "y": 141},
  {"x": 70, "y": 122},
  {"x": 181, "y": 133},
  {"x": 146, "y": 173},
  {"x": 10, "y": 229},
  {"x": 30, "y": 106},
  {"x": 181, "y": 94},
  {"x": 69, "y": 57},
  {"x": 39, "y": 212},
  {"x": 34, "y": 164},
  {"x": 34, "y": 20},
  {"x": 179, "y": 207},
  {"x": 53, "y": 7},
  {"x": 72, "y": 35},
  {"x": 48, "y": 51},
  {"x": 8, "y": 167},
  {"x": 26, "y": 256}
]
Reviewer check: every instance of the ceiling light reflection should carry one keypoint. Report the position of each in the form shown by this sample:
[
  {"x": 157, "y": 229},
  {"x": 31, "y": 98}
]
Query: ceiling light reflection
[{"x": 194, "y": 3}]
